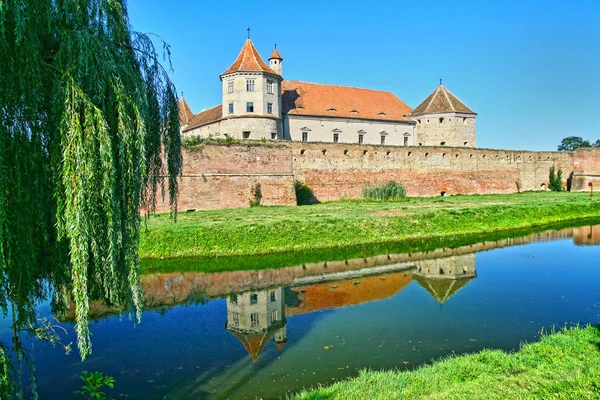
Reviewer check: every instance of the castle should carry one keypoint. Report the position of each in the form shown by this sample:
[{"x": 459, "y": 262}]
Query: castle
[{"x": 259, "y": 104}]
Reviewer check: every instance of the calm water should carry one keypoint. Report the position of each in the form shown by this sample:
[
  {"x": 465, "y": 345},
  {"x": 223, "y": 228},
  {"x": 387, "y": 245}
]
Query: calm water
[{"x": 246, "y": 334}]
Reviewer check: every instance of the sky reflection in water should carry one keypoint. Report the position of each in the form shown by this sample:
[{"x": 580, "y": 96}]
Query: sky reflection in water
[{"x": 264, "y": 333}]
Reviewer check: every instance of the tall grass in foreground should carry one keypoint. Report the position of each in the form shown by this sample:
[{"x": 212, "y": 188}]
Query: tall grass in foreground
[
  {"x": 562, "y": 365},
  {"x": 390, "y": 191}
]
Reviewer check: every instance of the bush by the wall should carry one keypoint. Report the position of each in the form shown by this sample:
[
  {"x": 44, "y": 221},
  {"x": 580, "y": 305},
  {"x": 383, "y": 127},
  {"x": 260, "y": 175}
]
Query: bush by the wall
[
  {"x": 255, "y": 195},
  {"x": 304, "y": 194},
  {"x": 555, "y": 180},
  {"x": 390, "y": 191}
]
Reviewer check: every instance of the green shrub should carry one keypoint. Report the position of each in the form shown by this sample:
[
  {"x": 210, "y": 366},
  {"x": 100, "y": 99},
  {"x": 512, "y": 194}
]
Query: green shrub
[
  {"x": 555, "y": 180},
  {"x": 390, "y": 191},
  {"x": 256, "y": 195},
  {"x": 304, "y": 194},
  {"x": 193, "y": 141}
]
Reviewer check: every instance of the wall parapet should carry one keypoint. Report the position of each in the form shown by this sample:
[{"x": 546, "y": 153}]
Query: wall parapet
[{"x": 217, "y": 176}]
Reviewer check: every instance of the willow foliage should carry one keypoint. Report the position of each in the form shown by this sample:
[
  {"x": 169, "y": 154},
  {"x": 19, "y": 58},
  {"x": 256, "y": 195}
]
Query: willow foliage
[{"x": 88, "y": 126}]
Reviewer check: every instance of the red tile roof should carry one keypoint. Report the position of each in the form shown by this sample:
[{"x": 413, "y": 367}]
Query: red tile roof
[
  {"x": 276, "y": 55},
  {"x": 249, "y": 60},
  {"x": 214, "y": 114},
  {"x": 303, "y": 98},
  {"x": 442, "y": 101},
  {"x": 185, "y": 113},
  {"x": 349, "y": 292}
]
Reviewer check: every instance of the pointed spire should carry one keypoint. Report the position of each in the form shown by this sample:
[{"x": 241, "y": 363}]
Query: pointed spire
[
  {"x": 185, "y": 113},
  {"x": 442, "y": 101},
  {"x": 275, "y": 55},
  {"x": 249, "y": 60}
]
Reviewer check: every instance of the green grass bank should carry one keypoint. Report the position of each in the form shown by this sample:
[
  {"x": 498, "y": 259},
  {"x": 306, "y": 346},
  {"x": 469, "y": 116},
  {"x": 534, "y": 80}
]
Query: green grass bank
[
  {"x": 561, "y": 365},
  {"x": 269, "y": 230}
]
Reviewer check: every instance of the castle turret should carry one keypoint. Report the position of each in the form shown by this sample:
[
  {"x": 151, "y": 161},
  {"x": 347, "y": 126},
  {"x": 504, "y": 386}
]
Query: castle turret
[
  {"x": 256, "y": 317},
  {"x": 275, "y": 62},
  {"x": 251, "y": 97},
  {"x": 443, "y": 120}
]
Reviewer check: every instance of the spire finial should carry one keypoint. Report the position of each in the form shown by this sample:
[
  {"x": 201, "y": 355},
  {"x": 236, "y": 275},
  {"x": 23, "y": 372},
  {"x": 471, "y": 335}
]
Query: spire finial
[
  {"x": 440, "y": 81},
  {"x": 182, "y": 93},
  {"x": 275, "y": 45},
  {"x": 248, "y": 29}
]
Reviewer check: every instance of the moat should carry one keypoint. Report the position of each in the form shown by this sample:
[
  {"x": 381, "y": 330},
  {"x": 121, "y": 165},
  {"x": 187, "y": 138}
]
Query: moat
[{"x": 267, "y": 333}]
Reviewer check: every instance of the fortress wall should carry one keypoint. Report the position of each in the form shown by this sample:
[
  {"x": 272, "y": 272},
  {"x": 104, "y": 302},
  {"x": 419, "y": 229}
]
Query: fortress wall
[
  {"x": 335, "y": 171},
  {"x": 586, "y": 170},
  {"x": 216, "y": 177}
]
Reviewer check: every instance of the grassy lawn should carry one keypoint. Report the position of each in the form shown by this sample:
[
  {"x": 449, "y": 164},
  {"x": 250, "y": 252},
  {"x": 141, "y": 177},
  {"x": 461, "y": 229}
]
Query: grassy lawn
[
  {"x": 562, "y": 365},
  {"x": 265, "y": 230}
]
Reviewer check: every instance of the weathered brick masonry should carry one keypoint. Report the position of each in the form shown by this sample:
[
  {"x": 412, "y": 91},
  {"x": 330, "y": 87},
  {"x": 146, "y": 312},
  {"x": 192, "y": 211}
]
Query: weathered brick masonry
[
  {"x": 586, "y": 168},
  {"x": 223, "y": 176}
]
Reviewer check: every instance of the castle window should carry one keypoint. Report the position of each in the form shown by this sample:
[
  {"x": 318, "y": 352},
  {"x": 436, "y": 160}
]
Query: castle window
[
  {"x": 269, "y": 108},
  {"x": 442, "y": 143},
  {"x": 465, "y": 143},
  {"x": 273, "y": 298},
  {"x": 246, "y": 134},
  {"x": 441, "y": 120},
  {"x": 464, "y": 120},
  {"x": 274, "y": 316},
  {"x": 229, "y": 86},
  {"x": 419, "y": 121},
  {"x": 405, "y": 141},
  {"x": 270, "y": 85},
  {"x": 249, "y": 85},
  {"x": 236, "y": 318},
  {"x": 305, "y": 136},
  {"x": 361, "y": 139},
  {"x": 382, "y": 139},
  {"x": 336, "y": 137},
  {"x": 253, "y": 298},
  {"x": 230, "y": 108},
  {"x": 233, "y": 298},
  {"x": 249, "y": 106},
  {"x": 254, "y": 319},
  {"x": 273, "y": 135}
]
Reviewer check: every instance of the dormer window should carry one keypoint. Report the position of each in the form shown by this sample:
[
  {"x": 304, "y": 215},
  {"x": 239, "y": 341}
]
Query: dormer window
[
  {"x": 249, "y": 85},
  {"x": 354, "y": 111},
  {"x": 331, "y": 109},
  {"x": 381, "y": 113}
]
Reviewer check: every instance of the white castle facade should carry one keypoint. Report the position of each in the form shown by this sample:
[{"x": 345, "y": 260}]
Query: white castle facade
[{"x": 259, "y": 104}]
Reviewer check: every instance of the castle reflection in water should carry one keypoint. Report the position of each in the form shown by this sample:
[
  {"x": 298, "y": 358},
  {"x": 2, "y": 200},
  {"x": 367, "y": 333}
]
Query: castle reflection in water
[{"x": 256, "y": 317}]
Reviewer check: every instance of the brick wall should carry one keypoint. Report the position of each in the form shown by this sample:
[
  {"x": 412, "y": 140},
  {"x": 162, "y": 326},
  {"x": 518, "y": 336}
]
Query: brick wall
[
  {"x": 222, "y": 176},
  {"x": 338, "y": 170},
  {"x": 586, "y": 166}
]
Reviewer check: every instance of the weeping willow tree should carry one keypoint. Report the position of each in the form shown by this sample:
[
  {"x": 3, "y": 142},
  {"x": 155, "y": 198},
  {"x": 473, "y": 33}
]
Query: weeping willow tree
[{"x": 88, "y": 126}]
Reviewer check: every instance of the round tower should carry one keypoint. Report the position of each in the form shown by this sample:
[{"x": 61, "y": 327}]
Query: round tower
[{"x": 252, "y": 97}]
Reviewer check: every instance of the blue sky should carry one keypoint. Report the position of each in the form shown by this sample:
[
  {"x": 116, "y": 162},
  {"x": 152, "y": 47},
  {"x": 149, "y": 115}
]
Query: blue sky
[{"x": 530, "y": 69}]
